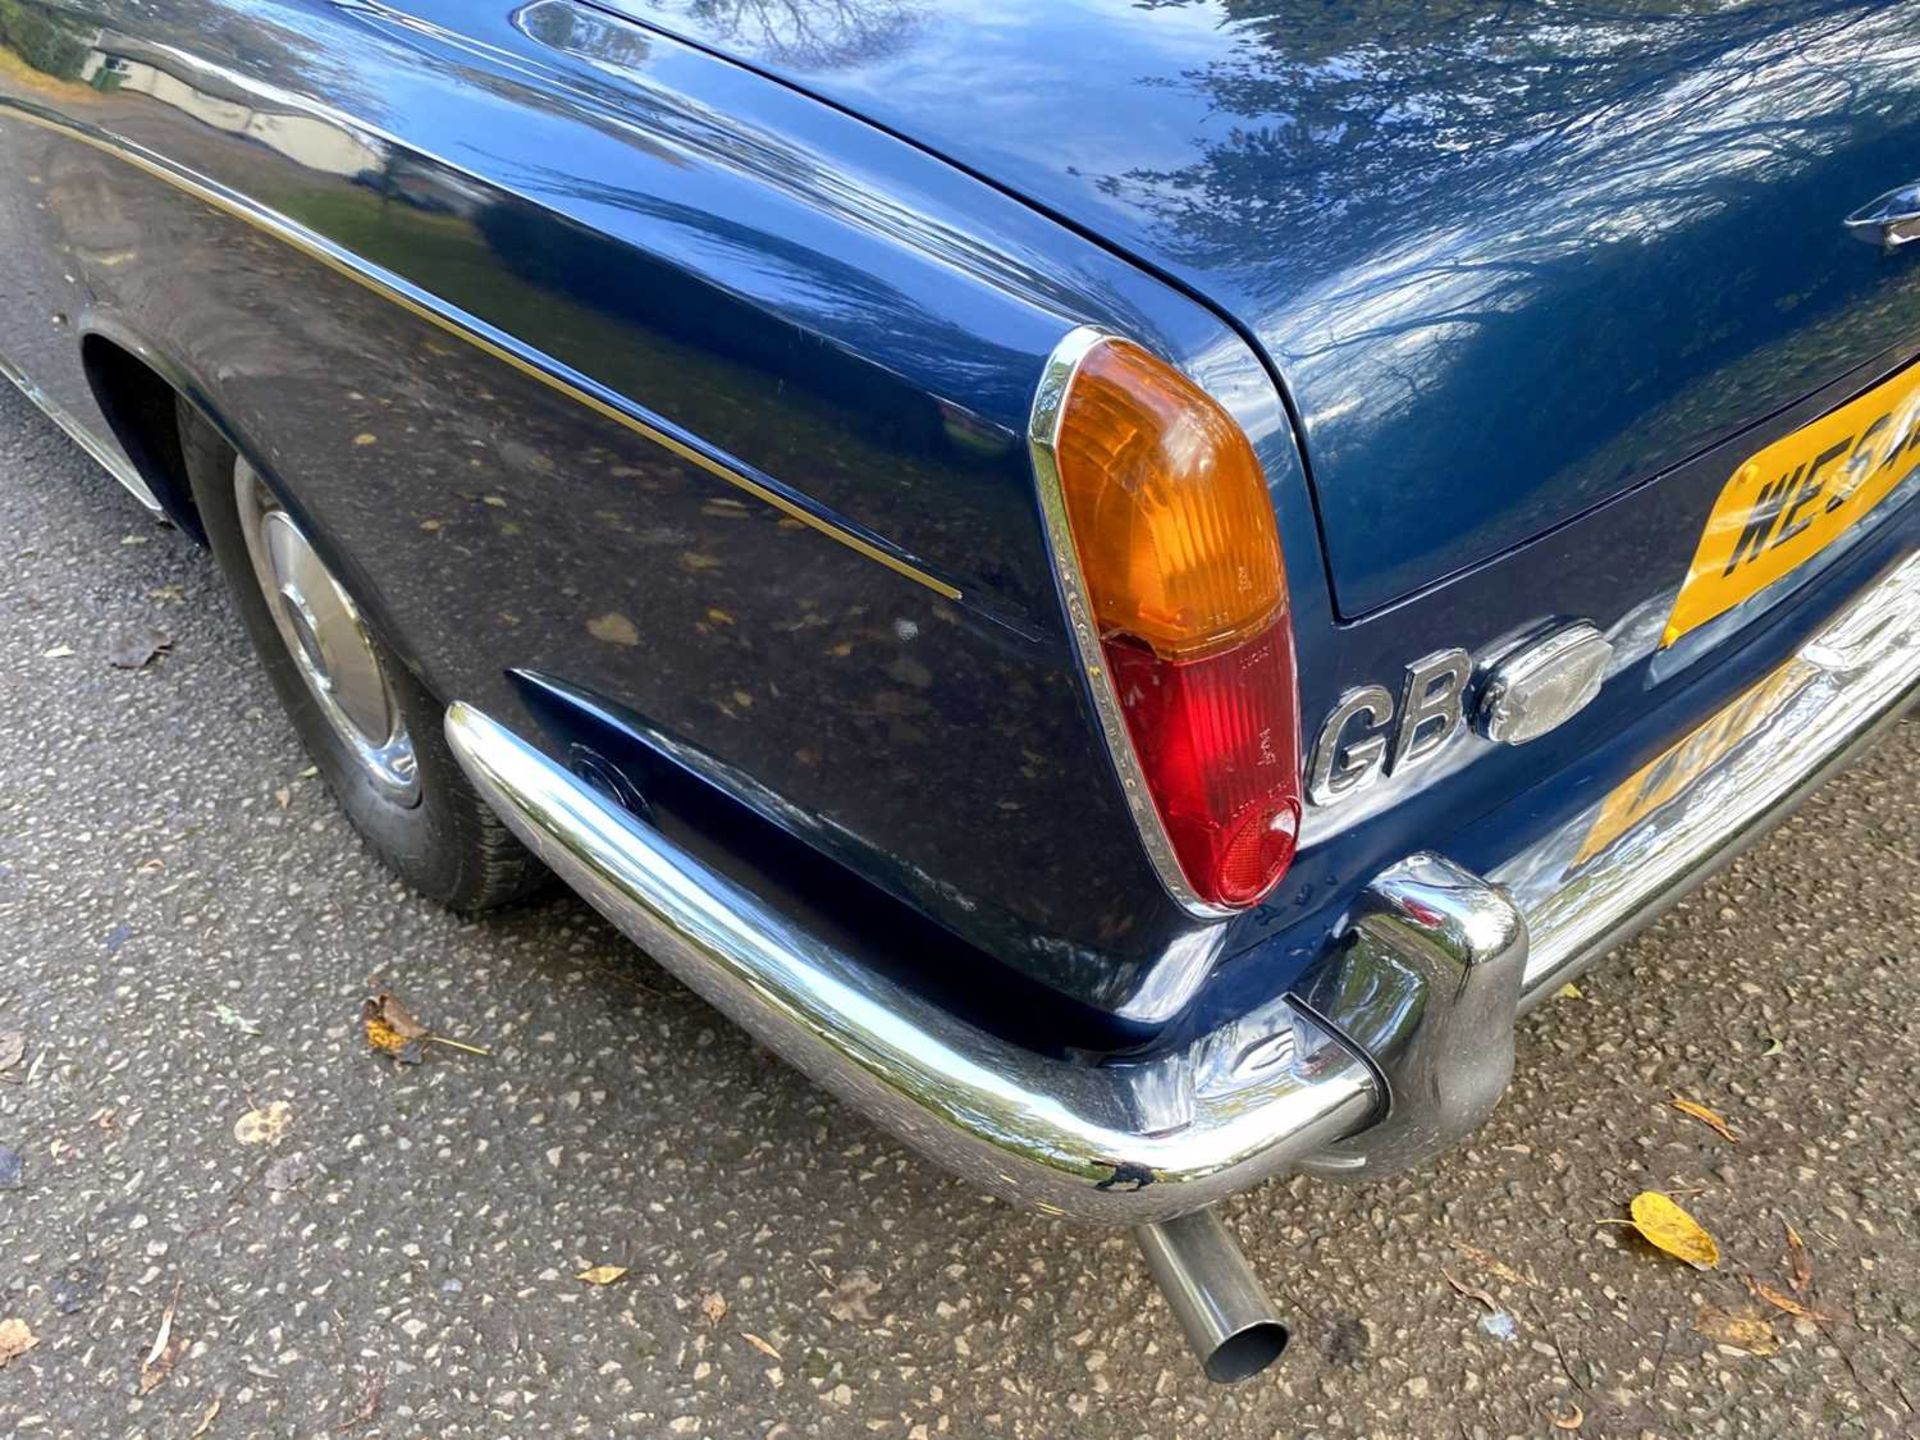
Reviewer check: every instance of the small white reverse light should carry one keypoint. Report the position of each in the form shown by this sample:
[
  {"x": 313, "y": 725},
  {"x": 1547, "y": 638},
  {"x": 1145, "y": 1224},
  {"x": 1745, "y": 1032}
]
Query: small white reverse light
[{"x": 1543, "y": 684}]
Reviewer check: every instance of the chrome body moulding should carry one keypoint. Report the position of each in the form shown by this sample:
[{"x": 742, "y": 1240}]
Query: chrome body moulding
[
  {"x": 109, "y": 459},
  {"x": 1043, "y": 433},
  {"x": 1397, "y": 1043}
]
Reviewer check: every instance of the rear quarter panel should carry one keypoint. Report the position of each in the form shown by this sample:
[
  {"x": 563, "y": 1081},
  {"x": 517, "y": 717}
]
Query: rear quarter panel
[{"x": 451, "y": 290}]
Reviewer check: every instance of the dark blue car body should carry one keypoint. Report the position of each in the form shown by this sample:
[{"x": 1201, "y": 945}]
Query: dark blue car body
[{"x": 659, "y": 374}]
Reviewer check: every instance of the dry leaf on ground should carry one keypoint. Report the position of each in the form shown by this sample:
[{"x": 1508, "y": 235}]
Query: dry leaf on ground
[
  {"x": 1746, "y": 1330},
  {"x": 1782, "y": 1301},
  {"x": 1799, "y": 1260},
  {"x": 165, "y": 1351},
  {"x": 15, "y": 1340},
  {"x": 1705, "y": 1117},
  {"x": 206, "y": 1420},
  {"x": 1498, "y": 1321},
  {"x": 391, "y": 1028},
  {"x": 13, "y": 1046},
  {"x": 714, "y": 1307},
  {"x": 1664, "y": 1225},
  {"x": 1572, "y": 1420},
  {"x": 136, "y": 649},
  {"x": 1470, "y": 1293},
  {"x": 849, "y": 1300},
  {"x": 613, "y": 628},
  {"x": 762, "y": 1346},
  {"x": 1493, "y": 1265},
  {"x": 264, "y": 1127},
  {"x": 601, "y": 1274},
  {"x": 372, "y": 1388}
]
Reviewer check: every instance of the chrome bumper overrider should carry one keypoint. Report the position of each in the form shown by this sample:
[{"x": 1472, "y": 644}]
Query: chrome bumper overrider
[{"x": 1398, "y": 1043}]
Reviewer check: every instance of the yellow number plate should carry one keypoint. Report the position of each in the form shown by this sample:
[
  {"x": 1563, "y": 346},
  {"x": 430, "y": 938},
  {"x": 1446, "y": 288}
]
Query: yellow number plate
[
  {"x": 1673, "y": 773},
  {"x": 1790, "y": 501}
]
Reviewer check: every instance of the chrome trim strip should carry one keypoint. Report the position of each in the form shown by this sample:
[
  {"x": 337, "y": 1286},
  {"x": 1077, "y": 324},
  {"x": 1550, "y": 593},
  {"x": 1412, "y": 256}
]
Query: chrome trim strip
[
  {"x": 1846, "y": 684},
  {"x": 1043, "y": 431},
  {"x": 109, "y": 460},
  {"x": 1376, "y": 1038}
]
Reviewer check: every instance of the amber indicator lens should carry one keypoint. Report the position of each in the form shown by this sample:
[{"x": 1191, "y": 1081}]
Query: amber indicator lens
[
  {"x": 1175, "y": 535},
  {"x": 1168, "y": 507}
]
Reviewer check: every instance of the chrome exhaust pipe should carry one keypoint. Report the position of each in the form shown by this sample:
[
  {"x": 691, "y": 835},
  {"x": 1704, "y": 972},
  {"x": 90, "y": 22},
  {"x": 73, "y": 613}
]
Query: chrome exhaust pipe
[{"x": 1214, "y": 1294}]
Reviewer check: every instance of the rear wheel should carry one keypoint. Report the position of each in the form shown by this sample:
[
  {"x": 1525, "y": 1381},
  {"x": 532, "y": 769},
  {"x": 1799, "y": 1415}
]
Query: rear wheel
[{"x": 372, "y": 728}]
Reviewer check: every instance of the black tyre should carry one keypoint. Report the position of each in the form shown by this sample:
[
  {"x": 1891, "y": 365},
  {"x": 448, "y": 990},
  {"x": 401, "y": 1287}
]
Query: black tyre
[{"x": 373, "y": 730}]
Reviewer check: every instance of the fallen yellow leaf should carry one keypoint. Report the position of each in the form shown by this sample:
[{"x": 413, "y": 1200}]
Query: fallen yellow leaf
[
  {"x": 601, "y": 1274},
  {"x": 391, "y": 1028},
  {"x": 613, "y": 628},
  {"x": 1746, "y": 1330},
  {"x": 1572, "y": 1420},
  {"x": 1704, "y": 1116},
  {"x": 1667, "y": 1227},
  {"x": 264, "y": 1127}
]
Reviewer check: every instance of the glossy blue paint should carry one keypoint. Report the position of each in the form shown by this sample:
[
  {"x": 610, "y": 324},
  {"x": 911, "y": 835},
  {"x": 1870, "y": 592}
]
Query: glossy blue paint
[
  {"x": 512, "y": 243},
  {"x": 1510, "y": 260}
]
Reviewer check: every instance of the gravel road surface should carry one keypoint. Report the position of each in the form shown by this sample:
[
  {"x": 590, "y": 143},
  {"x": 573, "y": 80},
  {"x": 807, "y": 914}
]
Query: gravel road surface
[{"x": 188, "y": 928}]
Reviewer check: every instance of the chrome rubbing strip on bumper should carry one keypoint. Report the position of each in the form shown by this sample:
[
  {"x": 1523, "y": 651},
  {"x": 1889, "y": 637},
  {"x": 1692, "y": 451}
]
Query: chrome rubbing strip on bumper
[
  {"x": 1397, "y": 1044},
  {"x": 1764, "y": 753}
]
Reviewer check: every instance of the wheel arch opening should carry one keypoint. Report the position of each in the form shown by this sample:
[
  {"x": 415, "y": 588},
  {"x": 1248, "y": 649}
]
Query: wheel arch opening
[{"x": 142, "y": 408}]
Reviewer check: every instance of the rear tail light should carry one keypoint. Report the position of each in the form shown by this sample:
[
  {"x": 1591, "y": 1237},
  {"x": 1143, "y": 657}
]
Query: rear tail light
[{"x": 1168, "y": 555}]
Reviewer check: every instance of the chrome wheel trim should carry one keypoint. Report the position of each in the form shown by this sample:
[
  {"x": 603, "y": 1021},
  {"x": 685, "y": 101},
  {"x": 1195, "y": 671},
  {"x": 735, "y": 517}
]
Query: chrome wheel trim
[{"x": 327, "y": 640}]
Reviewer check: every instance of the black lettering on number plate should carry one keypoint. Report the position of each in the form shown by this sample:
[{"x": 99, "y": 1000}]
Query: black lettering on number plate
[
  {"x": 1809, "y": 491},
  {"x": 1760, "y": 517}
]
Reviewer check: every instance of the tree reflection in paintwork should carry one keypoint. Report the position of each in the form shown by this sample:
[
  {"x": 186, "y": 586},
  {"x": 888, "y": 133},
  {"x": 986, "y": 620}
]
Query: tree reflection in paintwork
[
  {"x": 1665, "y": 177},
  {"x": 824, "y": 33}
]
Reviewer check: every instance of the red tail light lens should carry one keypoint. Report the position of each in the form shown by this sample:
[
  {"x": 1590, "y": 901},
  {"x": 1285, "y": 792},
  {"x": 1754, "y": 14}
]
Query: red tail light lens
[
  {"x": 1174, "y": 536},
  {"x": 1221, "y": 758}
]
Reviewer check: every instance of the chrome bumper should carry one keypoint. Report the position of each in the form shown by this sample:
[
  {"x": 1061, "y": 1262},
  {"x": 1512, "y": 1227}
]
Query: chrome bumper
[{"x": 1398, "y": 1044}]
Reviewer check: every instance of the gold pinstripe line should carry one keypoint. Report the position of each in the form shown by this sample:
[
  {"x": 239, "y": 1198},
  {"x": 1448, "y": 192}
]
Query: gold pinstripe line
[{"x": 306, "y": 245}]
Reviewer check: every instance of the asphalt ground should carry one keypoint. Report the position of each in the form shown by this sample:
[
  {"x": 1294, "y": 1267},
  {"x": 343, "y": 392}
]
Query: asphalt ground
[{"x": 188, "y": 928}]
